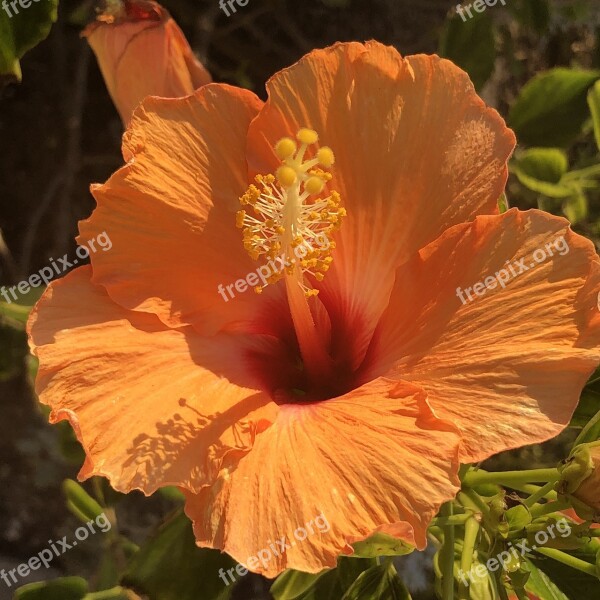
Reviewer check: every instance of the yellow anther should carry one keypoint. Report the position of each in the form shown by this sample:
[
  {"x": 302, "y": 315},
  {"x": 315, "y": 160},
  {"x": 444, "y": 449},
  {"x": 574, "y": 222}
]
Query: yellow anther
[
  {"x": 314, "y": 185},
  {"x": 307, "y": 136},
  {"x": 324, "y": 175},
  {"x": 286, "y": 176},
  {"x": 285, "y": 148},
  {"x": 265, "y": 179},
  {"x": 326, "y": 157},
  {"x": 290, "y": 209}
]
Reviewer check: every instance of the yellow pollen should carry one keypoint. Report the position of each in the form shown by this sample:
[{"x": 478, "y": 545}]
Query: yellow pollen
[
  {"x": 307, "y": 136},
  {"x": 285, "y": 148},
  {"x": 326, "y": 157},
  {"x": 293, "y": 214},
  {"x": 314, "y": 185},
  {"x": 286, "y": 176}
]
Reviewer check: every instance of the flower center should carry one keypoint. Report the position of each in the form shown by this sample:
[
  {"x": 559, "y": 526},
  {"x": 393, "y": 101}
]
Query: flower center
[{"x": 290, "y": 215}]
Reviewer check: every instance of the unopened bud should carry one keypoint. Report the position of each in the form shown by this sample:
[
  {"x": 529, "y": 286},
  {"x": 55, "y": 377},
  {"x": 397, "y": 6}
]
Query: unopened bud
[{"x": 580, "y": 476}]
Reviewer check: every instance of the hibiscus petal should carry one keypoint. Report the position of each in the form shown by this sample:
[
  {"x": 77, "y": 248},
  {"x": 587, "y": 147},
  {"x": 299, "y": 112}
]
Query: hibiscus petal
[
  {"x": 416, "y": 151},
  {"x": 507, "y": 367},
  {"x": 151, "y": 406},
  {"x": 170, "y": 213},
  {"x": 372, "y": 458}
]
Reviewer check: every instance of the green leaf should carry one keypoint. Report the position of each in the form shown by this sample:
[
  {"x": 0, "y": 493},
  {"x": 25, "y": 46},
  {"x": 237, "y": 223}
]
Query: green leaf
[
  {"x": 28, "y": 24},
  {"x": 66, "y": 588},
  {"x": 575, "y": 208},
  {"x": 108, "y": 572},
  {"x": 589, "y": 405},
  {"x": 594, "y": 104},
  {"x": 594, "y": 378},
  {"x": 172, "y": 493},
  {"x": 470, "y": 44},
  {"x": 541, "y": 170},
  {"x": 14, "y": 311},
  {"x": 518, "y": 517},
  {"x": 294, "y": 584},
  {"x": 582, "y": 175},
  {"x": 80, "y": 503},
  {"x": 540, "y": 585},
  {"x": 503, "y": 205},
  {"x": 326, "y": 585},
  {"x": 381, "y": 582},
  {"x": 551, "y": 108},
  {"x": 543, "y": 164},
  {"x": 380, "y": 544},
  {"x": 591, "y": 430},
  {"x": 171, "y": 567},
  {"x": 573, "y": 584}
]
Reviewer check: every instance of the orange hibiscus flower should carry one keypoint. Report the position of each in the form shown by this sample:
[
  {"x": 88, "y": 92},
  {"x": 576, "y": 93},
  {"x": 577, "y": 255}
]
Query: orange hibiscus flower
[{"x": 355, "y": 381}]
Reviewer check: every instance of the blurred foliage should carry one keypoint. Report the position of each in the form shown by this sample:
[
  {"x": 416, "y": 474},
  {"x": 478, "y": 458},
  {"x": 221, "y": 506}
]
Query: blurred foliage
[{"x": 22, "y": 26}]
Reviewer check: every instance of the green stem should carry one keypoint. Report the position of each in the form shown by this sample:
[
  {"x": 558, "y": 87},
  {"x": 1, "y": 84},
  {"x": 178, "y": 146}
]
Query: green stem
[
  {"x": 550, "y": 507},
  {"x": 507, "y": 478},
  {"x": 570, "y": 561},
  {"x": 594, "y": 533},
  {"x": 469, "y": 499},
  {"x": 466, "y": 559},
  {"x": 447, "y": 555},
  {"x": 105, "y": 594},
  {"x": 539, "y": 494},
  {"x": 453, "y": 520}
]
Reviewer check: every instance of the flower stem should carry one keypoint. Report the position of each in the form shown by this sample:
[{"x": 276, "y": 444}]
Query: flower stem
[
  {"x": 473, "y": 501},
  {"x": 510, "y": 477},
  {"x": 550, "y": 507},
  {"x": 466, "y": 559},
  {"x": 453, "y": 520},
  {"x": 539, "y": 494},
  {"x": 570, "y": 561},
  {"x": 447, "y": 555}
]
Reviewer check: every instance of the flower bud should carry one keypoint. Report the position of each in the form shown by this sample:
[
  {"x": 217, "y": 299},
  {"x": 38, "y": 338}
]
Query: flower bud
[
  {"x": 142, "y": 52},
  {"x": 580, "y": 477}
]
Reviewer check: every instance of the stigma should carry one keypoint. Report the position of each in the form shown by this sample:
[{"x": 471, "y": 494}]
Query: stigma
[{"x": 291, "y": 214}]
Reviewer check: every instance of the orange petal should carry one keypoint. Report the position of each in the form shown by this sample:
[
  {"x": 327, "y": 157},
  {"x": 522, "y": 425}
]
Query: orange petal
[
  {"x": 142, "y": 52},
  {"x": 372, "y": 458},
  {"x": 170, "y": 213},
  {"x": 508, "y": 366},
  {"x": 416, "y": 152},
  {"x": 151, "y": 406}
]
